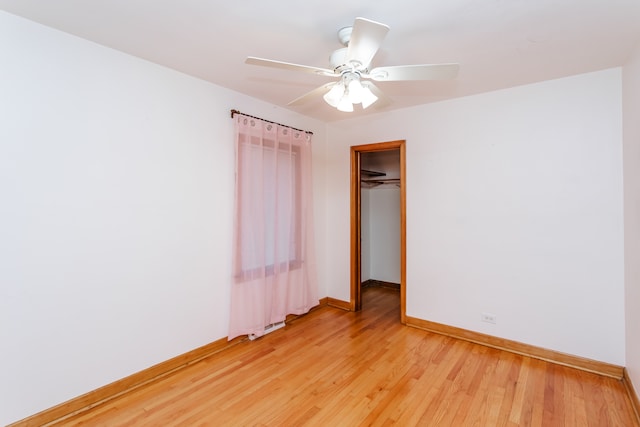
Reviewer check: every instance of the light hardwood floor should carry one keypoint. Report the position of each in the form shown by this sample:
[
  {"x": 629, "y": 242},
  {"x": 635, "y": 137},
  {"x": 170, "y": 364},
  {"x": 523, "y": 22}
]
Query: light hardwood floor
[{"x": 337, "y": 368}]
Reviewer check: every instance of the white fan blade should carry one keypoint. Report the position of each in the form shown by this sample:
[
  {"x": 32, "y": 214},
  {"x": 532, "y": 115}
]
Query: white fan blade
[
  {"x": 383, "y": 100},
  {"x": 317, "y": 92},
  {"x": 414, "y": 72},
  {"x": 288, "y": 66},
  {"x": 365, "y": 40}
]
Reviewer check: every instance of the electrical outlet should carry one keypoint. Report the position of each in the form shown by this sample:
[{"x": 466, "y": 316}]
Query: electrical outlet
[{"x": 489, "y": 318}]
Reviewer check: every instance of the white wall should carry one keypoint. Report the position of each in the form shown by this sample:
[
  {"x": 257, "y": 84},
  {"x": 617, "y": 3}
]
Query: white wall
[
  {"x": 116, "y": 189},
  {"x": 631, "y": 108},
  {"x": 514, "y": 207},
  {"x": 384, "y": 232}
]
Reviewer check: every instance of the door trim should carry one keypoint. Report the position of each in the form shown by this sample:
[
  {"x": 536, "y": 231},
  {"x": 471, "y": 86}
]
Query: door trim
[{"x": 356, "y": 260}]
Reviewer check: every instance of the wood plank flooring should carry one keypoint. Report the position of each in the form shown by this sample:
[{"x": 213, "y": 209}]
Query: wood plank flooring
[{"x": 337, "y": 368}]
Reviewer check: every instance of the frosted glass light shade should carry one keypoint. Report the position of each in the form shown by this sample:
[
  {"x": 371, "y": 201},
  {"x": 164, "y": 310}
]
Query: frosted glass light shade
[
  {"x": 355, "y": 91},
  {"x": 345, "y": 105},
  {"x": 334, "y": 95},
  {"x": 368, "y": 97}
]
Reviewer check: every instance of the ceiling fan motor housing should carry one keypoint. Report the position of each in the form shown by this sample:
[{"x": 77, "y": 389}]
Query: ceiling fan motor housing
[{"x": 338, "y": 58}]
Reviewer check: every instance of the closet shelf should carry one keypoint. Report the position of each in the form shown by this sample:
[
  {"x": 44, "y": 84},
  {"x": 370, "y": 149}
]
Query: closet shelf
[
  {"x": 371, "y": 173},
  {"x": 370, "y": 183}
]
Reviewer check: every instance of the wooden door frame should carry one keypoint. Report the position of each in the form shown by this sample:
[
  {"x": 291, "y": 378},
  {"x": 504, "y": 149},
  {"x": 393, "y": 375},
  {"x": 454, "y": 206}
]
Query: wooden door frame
[{"x": 356, "y": 234}]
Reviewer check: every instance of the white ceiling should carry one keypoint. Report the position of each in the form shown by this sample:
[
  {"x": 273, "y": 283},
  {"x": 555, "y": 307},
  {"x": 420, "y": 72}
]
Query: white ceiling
[{"x": 498, "y": 43}]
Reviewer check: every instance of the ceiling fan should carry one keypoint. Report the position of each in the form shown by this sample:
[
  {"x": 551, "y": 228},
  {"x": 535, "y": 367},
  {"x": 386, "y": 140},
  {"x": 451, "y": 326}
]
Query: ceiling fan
[{"x": 351, "y": 65}]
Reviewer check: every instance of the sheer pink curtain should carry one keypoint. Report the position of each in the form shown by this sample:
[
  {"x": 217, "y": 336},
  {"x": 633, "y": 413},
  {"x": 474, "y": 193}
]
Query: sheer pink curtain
[{"x": 273, "y": 258}]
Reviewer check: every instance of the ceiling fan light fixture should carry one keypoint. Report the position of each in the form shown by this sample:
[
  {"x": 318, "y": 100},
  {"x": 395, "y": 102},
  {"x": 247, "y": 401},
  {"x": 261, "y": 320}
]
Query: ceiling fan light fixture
[{"x": 351, "y": 90}]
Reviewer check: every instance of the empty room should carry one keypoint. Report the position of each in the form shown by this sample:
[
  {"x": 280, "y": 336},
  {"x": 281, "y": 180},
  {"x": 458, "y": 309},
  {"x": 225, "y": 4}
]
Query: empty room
[{"x": 320, "y": 213}]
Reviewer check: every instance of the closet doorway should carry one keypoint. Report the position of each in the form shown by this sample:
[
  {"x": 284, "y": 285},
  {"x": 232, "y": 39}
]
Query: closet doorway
[{"x": 373, "y": 177}]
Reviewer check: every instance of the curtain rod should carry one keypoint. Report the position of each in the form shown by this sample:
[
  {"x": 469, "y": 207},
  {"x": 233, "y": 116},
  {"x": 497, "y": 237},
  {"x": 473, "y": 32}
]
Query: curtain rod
[{"x": 234, "y": 112}]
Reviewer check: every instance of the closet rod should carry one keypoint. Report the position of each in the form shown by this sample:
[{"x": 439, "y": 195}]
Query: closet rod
[{"x": 234, "y": 112}]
